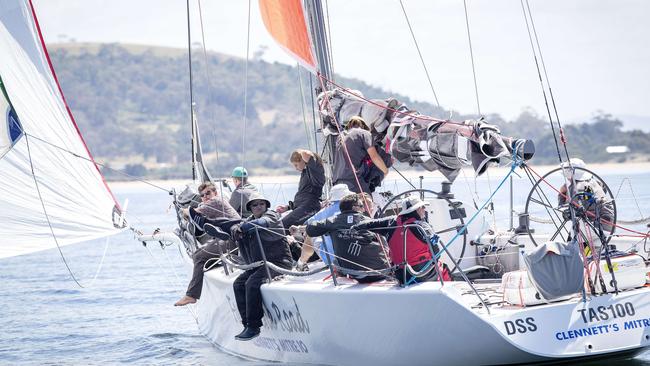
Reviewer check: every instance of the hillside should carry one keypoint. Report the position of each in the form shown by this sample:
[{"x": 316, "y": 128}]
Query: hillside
[{"x": 132, "y": 106}]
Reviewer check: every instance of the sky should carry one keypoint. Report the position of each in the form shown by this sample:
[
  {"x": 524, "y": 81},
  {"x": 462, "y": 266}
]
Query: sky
[{"x": 595, "y": 51}]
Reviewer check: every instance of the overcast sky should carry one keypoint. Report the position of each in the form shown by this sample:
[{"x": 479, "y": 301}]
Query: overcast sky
[{"x": 596, "y": 52}]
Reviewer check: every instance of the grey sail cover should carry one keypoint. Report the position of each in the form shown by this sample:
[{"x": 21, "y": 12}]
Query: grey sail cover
[
  {"x": 556, "y": 269},
  {"x": 417, "y": 139}
]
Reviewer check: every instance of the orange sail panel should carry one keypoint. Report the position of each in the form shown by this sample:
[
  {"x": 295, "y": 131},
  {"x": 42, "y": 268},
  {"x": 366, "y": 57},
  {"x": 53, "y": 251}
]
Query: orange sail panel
[{"x": 285, "y": 21}]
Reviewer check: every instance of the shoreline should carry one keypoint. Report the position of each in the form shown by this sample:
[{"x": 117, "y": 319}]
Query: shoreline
[{"x": 631, "y": 168}]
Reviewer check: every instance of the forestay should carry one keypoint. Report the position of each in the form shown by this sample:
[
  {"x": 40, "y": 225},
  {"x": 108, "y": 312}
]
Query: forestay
[{"x": 66, "y": 191}]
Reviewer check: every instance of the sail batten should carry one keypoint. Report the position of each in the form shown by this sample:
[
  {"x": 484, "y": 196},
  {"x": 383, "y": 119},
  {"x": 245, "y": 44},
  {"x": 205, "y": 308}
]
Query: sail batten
[{"x": 47, "y": 174}]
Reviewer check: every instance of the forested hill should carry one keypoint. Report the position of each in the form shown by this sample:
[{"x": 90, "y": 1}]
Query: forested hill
[{"x": 132, "y": 106}]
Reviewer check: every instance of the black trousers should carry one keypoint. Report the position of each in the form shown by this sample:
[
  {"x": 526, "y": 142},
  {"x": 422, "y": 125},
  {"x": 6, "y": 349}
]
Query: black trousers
[
  {"x": 298, "y": 216},
  {"x": 200, "y": 257},
  {"x": 249, "y": 295}
]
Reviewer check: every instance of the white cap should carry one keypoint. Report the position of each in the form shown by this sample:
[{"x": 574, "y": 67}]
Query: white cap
[
  {"x": 410, "y": 204},
  {"x": 579, "y": 174},
  {"x": 339, "y": 191}
]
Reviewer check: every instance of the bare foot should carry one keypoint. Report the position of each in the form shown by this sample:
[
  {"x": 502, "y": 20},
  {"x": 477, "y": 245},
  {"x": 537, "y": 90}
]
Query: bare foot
[{"x": 185, "y": 300}]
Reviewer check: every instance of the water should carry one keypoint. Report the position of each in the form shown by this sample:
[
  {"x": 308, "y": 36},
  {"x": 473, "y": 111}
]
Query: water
[{"x": 126, "y": 315}]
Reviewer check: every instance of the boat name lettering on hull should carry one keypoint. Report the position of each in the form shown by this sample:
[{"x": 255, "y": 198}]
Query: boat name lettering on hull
[
  {"x": 584, "y": 332},
  {"x": 288, "y": 320},
  {"x": 281, "y": 345},
  {"x": 603, "y": 313},
  {"x": 520, "y": 326}
]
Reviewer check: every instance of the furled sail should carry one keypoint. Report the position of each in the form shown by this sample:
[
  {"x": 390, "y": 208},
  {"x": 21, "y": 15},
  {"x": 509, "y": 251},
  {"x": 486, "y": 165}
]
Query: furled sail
[
  {"x": 285, "y": 22},
  {"x": 417, "y": 139},
  {"x": 51, "y": 190}
]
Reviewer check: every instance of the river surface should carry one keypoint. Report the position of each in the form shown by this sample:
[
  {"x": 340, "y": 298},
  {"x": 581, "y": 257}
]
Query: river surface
[{"x": 124, "y": 315}]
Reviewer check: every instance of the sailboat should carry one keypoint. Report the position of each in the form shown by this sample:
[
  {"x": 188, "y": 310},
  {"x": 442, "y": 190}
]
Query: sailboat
[
  {"x": 57, "y": 192},
  {"x": 323, "y": 318}
]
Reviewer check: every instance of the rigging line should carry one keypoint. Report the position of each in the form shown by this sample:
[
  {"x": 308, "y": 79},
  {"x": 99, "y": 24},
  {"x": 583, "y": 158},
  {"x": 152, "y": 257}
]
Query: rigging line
[
  {"x": 410, "y": 113},
  {"x": 158, "y": 265},
  {"x": 471, "y": 54},
  {"x": 302, "y": 108},
  {"x": 345, "y": 150},
  {"x": 189, "y": 57},
  {"x": 548, "y": 83},
  {"x": 210, "y": 90},
  {"x": 402, "y": 175},
  {"x": 330, "y": 54},
  {"x": 248, "y": 39},
  {"x": 417, "y": 47},
  {"x": 243, "y": 136},
  {"x": 544, "y": 200},
  {"x": 469, "y": 188},
  {"x": 313, "y": 111},
  {"x": 47, "y": 217},
  {"x": 602, "y": 220},
  {"x": 105, "y": 166},
  {"x": 491, "y": 205},
  {"x": 636, "y": 201},
  {"x": 270, "y": 231},
  {"x": 541, "y": 82}
]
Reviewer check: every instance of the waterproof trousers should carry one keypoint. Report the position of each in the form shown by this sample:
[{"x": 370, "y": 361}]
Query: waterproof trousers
[
  {"x": 249, "y": 295},
  {"x": 200, "y": 257}
]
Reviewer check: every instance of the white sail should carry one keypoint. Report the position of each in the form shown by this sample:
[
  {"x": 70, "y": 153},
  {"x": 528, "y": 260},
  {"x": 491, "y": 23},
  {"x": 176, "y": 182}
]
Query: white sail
[{"x": 65, "y": 200}]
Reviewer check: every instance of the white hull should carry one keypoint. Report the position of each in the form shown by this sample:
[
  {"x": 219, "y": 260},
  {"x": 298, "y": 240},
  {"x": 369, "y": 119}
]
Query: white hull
[{"x": 313, "y": 321}]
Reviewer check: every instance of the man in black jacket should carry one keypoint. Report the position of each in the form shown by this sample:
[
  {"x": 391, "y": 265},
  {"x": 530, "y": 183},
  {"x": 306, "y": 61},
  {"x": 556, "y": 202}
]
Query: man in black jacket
[
  {"x": 355, "y": 249},
  {"x": 276, "y": 249}
]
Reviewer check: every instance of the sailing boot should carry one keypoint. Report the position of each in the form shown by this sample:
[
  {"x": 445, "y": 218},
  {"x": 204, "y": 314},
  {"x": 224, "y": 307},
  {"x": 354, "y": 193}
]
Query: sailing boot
[{"x": 248, "y": 334}]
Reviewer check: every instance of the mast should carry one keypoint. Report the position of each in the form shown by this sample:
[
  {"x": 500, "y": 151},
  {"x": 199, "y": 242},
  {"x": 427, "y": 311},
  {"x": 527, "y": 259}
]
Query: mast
[
  {"x": 189, "y": 59},
  {"x": 318, "y": 34},
  {"x": 319, "y": 40},
  {"x": 199, "y": 171}
]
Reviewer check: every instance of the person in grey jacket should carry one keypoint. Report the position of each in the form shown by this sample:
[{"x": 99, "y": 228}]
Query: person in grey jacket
[
  {"x": 358, "y": 250},
  {"x": 212, "y": 207},
  {"x": 242, "y": 192}
]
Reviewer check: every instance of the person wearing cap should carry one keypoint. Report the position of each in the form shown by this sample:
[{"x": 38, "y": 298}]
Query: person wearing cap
[
  {"x": 357, "y": 250},
  {"x": 243, "y": 190},
  {"x": 323, "y": 243},
  {"x": 306, "y": 201},
  {"x": 591, "y": 190},
  {"x": 418, "y": 253},
  {"x": 248, "y": 295},
  {"x": 211, "y": 208},
  {"x": 356, "y": 143}
]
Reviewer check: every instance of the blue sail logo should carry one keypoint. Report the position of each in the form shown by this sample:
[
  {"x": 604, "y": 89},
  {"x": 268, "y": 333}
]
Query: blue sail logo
[{"x": 11, "y": 129}]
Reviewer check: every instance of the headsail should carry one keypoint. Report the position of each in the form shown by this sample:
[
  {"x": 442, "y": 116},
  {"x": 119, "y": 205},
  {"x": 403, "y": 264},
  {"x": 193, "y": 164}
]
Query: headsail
[{"x": 49, "y": 182}]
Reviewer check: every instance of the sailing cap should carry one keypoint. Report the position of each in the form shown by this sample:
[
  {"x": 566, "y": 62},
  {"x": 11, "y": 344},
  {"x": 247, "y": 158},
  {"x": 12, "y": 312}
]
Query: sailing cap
[
  {"x": 256, "y": 196},
  {"x": 410, "y": 204},
  {"x": 580, "y": 174},
  {"x": 239, "y": 172},
  {"x": 339, "y": 191}
]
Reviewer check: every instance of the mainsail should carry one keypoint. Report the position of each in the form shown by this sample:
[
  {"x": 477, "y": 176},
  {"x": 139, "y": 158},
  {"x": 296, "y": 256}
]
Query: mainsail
[{"x": 51, "y": 190}]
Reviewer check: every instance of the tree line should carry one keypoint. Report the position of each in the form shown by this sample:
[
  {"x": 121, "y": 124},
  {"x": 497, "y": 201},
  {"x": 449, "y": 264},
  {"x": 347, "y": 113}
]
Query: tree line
[{"x": 132, "y": 105}]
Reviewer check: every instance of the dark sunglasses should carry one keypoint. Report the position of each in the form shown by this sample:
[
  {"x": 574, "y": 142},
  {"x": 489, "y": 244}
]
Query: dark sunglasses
[{"x": 258, "y": 204}]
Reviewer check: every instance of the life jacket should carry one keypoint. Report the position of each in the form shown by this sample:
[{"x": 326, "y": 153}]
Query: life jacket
[{"x": 417, "y": 251}]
